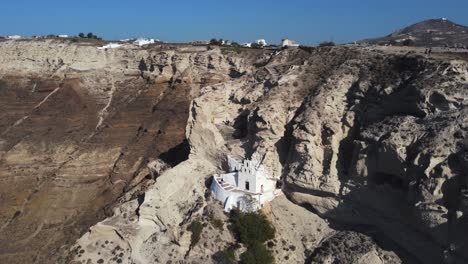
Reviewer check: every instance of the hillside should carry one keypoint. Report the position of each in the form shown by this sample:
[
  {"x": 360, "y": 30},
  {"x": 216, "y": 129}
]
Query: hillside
[
  {"x": 428, "y": 33},
  {"x": 105, "y": 155}
]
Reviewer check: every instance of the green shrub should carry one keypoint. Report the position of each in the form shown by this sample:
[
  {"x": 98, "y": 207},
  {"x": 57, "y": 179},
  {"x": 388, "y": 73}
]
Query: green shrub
[
  {"x": 90, "y": 35},
  {"x": 217, "y": 42},
  {"x": 327, "y": 44},
  {"x": 196, "y": 228},
  {"x": 226, "y": 256},
  {"x": 257, "y": 253},
  {"x": 217, "y": 223},
  {"x": 227, "y": 50},
  {"x": 251, "y": 227}
]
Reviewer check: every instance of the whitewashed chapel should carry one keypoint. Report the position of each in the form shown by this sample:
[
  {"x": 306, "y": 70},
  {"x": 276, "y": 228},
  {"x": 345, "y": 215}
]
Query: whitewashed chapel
[{"x": 246, "y": 186}]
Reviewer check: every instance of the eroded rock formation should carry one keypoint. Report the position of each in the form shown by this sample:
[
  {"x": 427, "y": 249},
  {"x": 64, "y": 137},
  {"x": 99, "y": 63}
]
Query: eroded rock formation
[
  {"x": 79, "y": 125},
  {"x": 370, "y": 146}
]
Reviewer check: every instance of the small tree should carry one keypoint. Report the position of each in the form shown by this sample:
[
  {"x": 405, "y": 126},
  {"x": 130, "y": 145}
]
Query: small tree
[
  {"x": 226, "y": 256},
  {"x": 196, "y": 228},
  {"x": 257, "y": 254},
  {"x": 327, "y": 44},
  {"x": 217, "y": 42},
  {"x": 81, "y": 35},
  {"x": 90, "y": 35},
  {"x": 251, "y": 227}
]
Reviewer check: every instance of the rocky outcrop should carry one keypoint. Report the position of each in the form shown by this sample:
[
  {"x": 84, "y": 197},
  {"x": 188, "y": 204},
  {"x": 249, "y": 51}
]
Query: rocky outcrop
[
  {"x": 351, "y": 247},
  {"x": 385, "y": 131},
  {"x": 369, "y": 145}
]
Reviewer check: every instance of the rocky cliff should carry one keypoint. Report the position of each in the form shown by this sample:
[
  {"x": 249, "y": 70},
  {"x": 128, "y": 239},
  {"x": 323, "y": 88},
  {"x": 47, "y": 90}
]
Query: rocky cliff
[{"x": 370, "y": 146}]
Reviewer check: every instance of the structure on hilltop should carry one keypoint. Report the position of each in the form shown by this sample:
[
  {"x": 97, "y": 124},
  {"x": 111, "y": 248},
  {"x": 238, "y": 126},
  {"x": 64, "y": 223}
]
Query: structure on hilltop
[
  {"x": 261, "y": 42},
  {"x": 110, "y": 46},
  {"x": 143, "y": 41},
  {"x": 246, "y": 186},
  {"x": 288, "y": 43},
  {"x": 14, "y": 37}
]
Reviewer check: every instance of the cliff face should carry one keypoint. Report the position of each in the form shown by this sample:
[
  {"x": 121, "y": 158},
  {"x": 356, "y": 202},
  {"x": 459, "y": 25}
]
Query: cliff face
[
  {"x": 370, "y": 140},
  {"x": 370, "y": 146},
  {"x": 383, "y": 144},
  {"x": 78, "y": 127}
]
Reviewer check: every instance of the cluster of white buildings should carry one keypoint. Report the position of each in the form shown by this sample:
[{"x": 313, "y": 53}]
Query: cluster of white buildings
[
  {"x": 284, "y": 43},
  {"x": 246, "y": 186},
  {"x": 146, "y": 41},
  {"x": 14, "y": 37},
  {"x": 139, "y": 42},
  {"x": 260, "y": 42},
  {"x": 36, "y": 37},
  {"x": 143, "y": 41}
]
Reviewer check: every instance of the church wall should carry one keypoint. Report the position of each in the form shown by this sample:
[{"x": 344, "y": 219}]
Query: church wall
[{"x": 230, "y": 178}]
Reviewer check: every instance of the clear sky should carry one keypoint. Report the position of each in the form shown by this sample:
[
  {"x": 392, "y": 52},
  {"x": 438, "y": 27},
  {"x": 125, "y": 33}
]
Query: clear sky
[{"x": 307, "y": 21}]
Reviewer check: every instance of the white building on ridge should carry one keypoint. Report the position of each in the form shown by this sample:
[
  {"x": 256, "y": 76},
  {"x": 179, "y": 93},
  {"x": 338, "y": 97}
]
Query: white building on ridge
[
  {"x": 246, "y": 186},
  {"x": 143, "y": 41},
  {"x": 110, "y": 46},
  {"x": 261, "y": 42},
  {"x": 288, "y": 43},
  {"x": 14, "y": 37}
]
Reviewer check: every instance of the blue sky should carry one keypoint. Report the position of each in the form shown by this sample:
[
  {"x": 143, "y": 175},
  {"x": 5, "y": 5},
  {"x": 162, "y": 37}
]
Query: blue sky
[{"x": 307, "y": 21}]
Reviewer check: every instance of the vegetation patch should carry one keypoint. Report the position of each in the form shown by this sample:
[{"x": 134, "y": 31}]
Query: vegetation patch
[
  {"x": 90, "y": 35},
  {"x": 226, "y": 256},
  {"x": 227, "y": 50},
  {"x": 327, "y": 44},
  {"x": 217, "y": 223},
  {"x": 196, "y": 228},
  {"x": 250, "y": 228},
  {"x": 257, "y": 253}
]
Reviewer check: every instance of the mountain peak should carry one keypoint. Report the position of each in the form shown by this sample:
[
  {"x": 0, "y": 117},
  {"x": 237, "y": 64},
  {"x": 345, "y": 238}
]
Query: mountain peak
[{"x": 438, "y": 32}]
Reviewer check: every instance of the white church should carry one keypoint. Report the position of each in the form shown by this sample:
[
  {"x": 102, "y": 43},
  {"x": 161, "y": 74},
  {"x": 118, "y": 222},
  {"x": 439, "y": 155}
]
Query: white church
[{"x": 246, "y": 186}]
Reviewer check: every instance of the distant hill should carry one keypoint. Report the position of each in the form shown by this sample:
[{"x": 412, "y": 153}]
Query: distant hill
[{"x": 430, "y": 33}]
